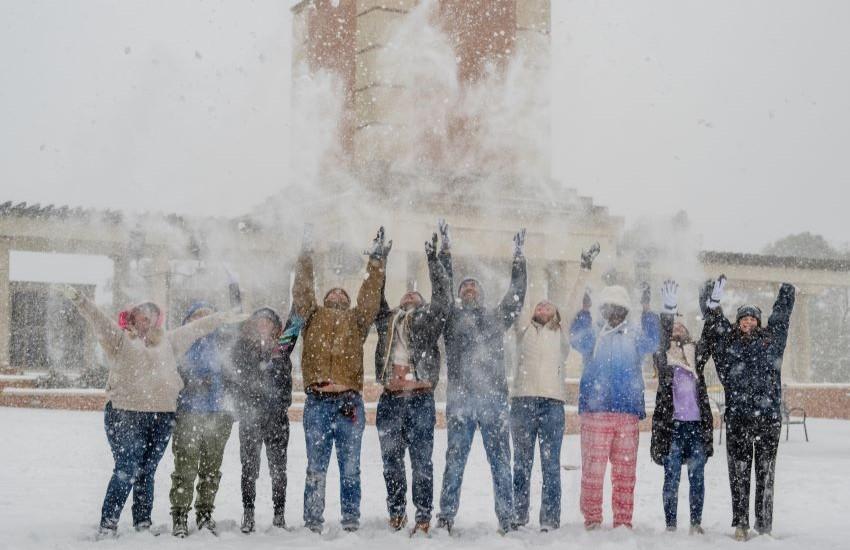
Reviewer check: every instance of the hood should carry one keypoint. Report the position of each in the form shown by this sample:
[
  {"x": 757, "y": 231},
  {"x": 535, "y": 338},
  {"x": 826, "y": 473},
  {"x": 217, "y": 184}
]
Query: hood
[
  {"x": 614, "y": 295},
  {"x": 325, "y": 299},
  {"x": 197, "y": 305},
  {"x": 268, "y": 313}
]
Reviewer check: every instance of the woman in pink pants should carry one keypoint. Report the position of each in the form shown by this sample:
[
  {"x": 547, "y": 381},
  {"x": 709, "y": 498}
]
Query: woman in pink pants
[{"x": 611, "y": 399}]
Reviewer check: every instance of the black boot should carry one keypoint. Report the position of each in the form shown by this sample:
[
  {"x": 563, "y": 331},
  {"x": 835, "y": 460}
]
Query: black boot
[
  {"x": 180, "y": 526},
  {"x": 248, "y": 521}
]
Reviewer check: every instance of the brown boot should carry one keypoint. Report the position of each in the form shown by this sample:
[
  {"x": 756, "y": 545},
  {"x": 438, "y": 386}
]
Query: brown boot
[
  {"x": 398, "y": 523},
  {"x": 421, "y": 527}
]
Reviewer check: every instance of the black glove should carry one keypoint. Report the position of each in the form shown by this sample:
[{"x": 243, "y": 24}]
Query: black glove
[
  {"x": 587, "y": 256},
  {"x": 519, "y": 243},
  {"x": 445, "y": 235},
  {"x": 431, "y": 247}
]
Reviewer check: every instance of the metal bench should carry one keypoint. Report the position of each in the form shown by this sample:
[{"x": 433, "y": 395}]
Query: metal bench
[{"x": 792, "y": 415}]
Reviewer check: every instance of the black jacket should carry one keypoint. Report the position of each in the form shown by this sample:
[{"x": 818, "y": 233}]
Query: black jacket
[
  {"x": 662, "y": 418},
  {"x": 426, "y": 326},
  {"x": 750, "y": 366},
  {"x": 475, "y": 348},
  {"x": 262, "y": 381}
]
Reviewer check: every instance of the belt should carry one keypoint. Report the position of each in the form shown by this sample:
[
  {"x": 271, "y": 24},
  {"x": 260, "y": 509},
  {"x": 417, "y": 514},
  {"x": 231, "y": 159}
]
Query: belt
[
  {"x": 408, "y": 393},
  {"x": 312, "y": 391}
]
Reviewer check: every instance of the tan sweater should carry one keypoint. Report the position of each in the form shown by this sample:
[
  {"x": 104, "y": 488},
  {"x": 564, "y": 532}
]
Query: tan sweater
[
  {"x": 144, "y": 378},
  {"x": 541, "y": 352}
]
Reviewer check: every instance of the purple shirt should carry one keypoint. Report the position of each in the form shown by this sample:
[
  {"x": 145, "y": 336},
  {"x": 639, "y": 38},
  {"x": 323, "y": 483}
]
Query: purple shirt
[{"x": 685, "y": 405}]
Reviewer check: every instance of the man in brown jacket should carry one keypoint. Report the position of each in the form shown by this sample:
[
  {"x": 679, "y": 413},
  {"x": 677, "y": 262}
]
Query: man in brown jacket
[{"x": 332, "y": 369}]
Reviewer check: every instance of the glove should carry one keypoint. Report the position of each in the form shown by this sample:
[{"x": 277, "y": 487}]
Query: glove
[
  {"x": 71, "y": 293},
  {"x": 645, "y": 294},
  {"x": 587, "y": 256},
  {"x": 519, "y": 242},
  {"x": 380, "y": 248},
  {"x": 716, "y": 293},
  {"x": 431, "y": 246},
  {"x": 307, "y": 238},
  {"x": 669, "y": 294},
  {"x": 445, "y": 236},
  {"x": 586, "y": 302}
]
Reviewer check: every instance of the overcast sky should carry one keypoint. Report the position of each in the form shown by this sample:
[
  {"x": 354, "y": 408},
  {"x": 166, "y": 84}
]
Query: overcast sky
[{"x": 736, "y": 112}]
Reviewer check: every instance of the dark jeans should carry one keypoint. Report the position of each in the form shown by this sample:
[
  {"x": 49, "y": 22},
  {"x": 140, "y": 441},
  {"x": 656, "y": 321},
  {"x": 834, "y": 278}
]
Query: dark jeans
[
  {"x": 333, "y": 420},
  {"x": 491, "y": 416},
  {"x": 686, "y": 447},
  {"x": 407, "y": 423},
  {"x": 748, "y": 439},
  {"x": 257, "y": 427},
  {"x": 138, "y": 441},
  {"x": 533, "y": 419}
]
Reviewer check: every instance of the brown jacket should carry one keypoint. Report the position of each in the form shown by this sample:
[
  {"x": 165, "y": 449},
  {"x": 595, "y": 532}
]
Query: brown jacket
[{"x": 333, "y": 338}]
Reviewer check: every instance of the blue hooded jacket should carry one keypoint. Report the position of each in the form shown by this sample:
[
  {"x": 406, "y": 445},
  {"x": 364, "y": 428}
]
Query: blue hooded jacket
[
  {"x": 201, "y": 369},
  {"x": 612, "y": 380}
]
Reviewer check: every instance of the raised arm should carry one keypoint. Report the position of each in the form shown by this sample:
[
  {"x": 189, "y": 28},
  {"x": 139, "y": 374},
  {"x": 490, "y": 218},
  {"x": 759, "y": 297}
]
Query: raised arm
[
  {"x": 660, "y": 356},
  {"x": 650, "y": 334},
  {"x": 440, "y": 286},
  {"x": 576, "y": 295},
  {"x": 780, "y": 318},
  {"x": 304, "y": 287},
  {"x": 182, "y": 338},
  {"x": 369, "y": 296},
  {"x": 108, "y": 333},
  {"x": 582, "y": 336},
  {"x": 510, "y": 307}
]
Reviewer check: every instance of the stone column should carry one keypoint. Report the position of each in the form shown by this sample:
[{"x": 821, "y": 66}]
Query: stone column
[{"x": 5, "y": 303}]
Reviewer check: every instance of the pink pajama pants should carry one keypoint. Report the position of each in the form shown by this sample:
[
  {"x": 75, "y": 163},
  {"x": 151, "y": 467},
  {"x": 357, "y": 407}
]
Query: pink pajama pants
[{"x": 604, "y": 437}]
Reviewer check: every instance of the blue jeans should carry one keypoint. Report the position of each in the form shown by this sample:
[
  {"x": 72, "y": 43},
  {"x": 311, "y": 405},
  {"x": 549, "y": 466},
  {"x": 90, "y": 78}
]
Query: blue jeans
[
  {"x": 534, "y": 418},
  {"x": 686, "y": 447},
  {"x": 333, "y": 420},
  {"x": 138, "y": 441},
  {"x": 491, "y": 416},
  {"x": 407, "y": 423}
]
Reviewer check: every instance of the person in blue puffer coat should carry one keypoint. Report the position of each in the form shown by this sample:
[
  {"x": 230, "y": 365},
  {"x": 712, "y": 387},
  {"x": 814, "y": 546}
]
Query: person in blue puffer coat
[
  {"x": 611, "y": 399},
  {"x": 203, "y": 425}
]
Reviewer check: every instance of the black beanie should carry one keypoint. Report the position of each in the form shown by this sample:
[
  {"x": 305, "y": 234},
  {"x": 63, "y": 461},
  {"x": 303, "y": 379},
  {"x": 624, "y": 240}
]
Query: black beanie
[{"x": 749, "y": 311}]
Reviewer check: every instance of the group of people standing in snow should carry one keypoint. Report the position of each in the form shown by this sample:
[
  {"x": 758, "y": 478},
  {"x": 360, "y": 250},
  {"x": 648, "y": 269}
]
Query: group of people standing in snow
[{"x": 191, "y": 383}]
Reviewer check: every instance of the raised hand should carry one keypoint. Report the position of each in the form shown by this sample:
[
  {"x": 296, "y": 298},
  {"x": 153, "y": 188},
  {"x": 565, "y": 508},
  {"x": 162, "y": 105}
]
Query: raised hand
[
  {"x": 307, "y": 238},
  {"x": 519, "y": 242},
  {"x": 588, "y": 255},
  {"x": 717, "y": 292},
  {"x": 586, "y": 301},
  {"x": 645, "y": 295},
  {"x": 445, "y": 235},
  {"x": 669, "y": 295},
  {"x": 380, "y": 248},
  {"x": 431, "y": 246}
]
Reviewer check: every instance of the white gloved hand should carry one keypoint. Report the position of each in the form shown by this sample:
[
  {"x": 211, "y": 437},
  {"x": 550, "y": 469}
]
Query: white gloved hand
[
  {"x": 669, "y": 295},
  {"x": 717, "y": 293},
  {"x": 71, "y": 293}
]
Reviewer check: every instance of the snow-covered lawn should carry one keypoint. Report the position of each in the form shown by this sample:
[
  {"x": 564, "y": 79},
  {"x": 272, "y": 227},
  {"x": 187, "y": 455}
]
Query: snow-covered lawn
[{"x": 54, "y": 466}]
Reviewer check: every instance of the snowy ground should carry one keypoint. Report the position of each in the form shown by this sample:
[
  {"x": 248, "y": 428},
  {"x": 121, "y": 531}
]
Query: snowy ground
[{"x": 54, "y": 466}]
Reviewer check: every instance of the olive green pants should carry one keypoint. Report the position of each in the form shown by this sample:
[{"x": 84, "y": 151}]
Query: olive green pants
[{"x": 198, "y": 446}]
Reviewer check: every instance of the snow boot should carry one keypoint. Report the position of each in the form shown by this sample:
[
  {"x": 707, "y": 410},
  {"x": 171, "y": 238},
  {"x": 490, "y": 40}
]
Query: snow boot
[
  {"x": 204, "y": 520},
  {"x": 398, "y": 523},
  {"x": 421, "y": 527},
  {"x": 592, "y": 526},
  {"x": 143, "y": 526},
  {"x": 248, "y": 521},
  {"x": 314, "y": 527},
  {"x": 180, "y": 526},
  {"x": 696, "y": 529},
  {"x": 741, "y": 534},
  {"x": 279, "y": 520},
  {"x": 445, "y": 523},
  {"x": 107, "y": 530}
]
